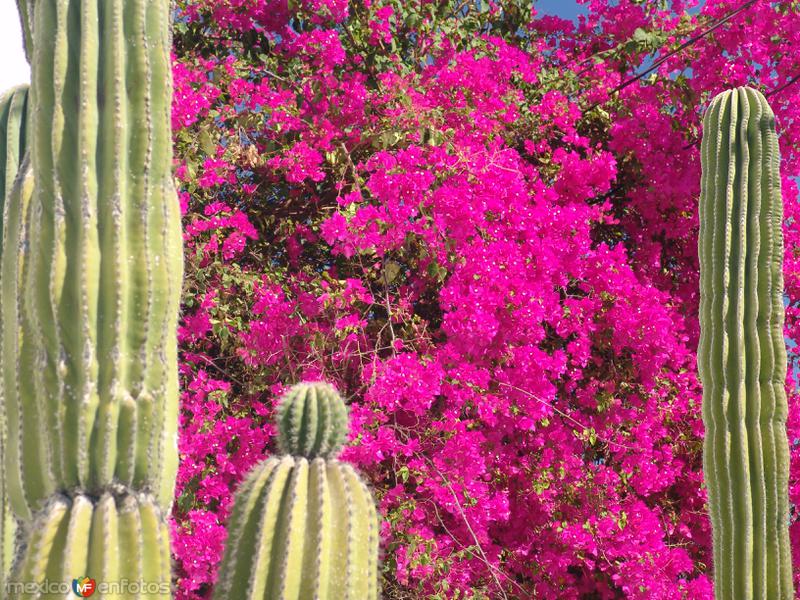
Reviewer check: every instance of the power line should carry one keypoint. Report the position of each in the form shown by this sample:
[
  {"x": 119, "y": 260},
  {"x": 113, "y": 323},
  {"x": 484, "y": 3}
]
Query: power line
[
  {"x": 680, "y": 48},
  {"x": 780, "y": 88},
  {"x": 783, "y": 87}
]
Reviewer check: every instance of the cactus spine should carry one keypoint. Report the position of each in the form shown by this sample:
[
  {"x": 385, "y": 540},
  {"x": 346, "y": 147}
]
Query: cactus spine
[
  {"x": 742, "y": 354},
  {"x": 303, "y": 527},
  {"x": 91, "y": 272}
]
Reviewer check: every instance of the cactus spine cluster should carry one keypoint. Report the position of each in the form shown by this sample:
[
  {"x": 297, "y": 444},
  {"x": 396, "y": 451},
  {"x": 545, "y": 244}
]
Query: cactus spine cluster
[
  {"x": 305, "y": 526},
  {"x": 742, "y": 354},
  {"x": 91, "y": 271}
]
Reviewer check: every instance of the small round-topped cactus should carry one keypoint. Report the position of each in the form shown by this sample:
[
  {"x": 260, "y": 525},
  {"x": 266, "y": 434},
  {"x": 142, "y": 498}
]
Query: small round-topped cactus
[
  {"x": 312, "y": 421},
  {"x": 303, "y": 526}
]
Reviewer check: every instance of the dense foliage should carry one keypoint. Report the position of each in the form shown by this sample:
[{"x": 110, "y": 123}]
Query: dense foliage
[{"x": 472, "y": 220}]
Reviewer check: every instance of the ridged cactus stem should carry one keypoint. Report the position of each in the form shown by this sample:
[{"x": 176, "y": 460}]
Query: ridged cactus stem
[
  {"x": 119, "y": 539},
  {"x": 13, "y": 137},
  {"x": 312, "y": 421},
  {"x": 91, "y": 378},
  {"x": 13, "y": 145},
  {"x": 742, "y": 353}
]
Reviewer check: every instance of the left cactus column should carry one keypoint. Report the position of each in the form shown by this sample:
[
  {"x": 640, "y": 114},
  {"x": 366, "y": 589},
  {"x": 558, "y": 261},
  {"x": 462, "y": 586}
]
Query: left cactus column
[{"x": 91, "y": 276}]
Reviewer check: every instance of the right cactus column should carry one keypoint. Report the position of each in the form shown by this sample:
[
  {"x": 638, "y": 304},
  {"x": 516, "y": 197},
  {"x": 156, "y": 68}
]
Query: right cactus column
[{"x": 742, "y": 353}]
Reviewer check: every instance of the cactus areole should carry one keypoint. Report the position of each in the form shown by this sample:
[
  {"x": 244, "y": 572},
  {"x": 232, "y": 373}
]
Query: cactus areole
[{"x": 742, "y": 353}]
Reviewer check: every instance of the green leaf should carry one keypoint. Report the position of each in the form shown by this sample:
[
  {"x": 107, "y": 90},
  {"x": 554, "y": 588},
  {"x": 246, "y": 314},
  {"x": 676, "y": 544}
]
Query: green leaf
[{"x": 207, "y": 144}]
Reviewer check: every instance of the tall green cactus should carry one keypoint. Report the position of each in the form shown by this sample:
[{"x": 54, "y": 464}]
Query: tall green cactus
[
  {"x": 742, "y": 354},
  {"x": 90, "y": 377},
  {"x": 303, "y": 526},
  {"x": 90, "y": 273}
]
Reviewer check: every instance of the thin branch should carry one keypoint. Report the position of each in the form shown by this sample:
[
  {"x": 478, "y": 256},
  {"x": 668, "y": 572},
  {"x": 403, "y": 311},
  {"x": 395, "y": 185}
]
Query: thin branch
[
  {"x": 466, "y": 521},
  {"x": 563, "y": 414},
  {"x": 783, "y": 87}
]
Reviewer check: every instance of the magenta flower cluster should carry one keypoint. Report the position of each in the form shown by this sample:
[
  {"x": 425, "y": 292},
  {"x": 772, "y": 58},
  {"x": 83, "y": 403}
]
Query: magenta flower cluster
[{"x": 470, "y": 220}]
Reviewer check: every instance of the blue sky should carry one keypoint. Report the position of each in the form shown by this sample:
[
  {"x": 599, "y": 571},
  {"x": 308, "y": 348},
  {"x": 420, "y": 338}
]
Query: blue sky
[{"x": 567, "y": 9}]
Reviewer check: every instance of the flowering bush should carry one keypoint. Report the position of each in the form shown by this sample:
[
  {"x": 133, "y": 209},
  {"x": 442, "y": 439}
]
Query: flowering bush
[{"x": 472, "y": 220}]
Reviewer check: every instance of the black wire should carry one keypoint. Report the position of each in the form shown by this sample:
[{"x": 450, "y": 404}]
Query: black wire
[
  {"x": 783, "y": 87},
  {"x": 780, "y": 88},
  {"x": 672, "y": 53},
  {"x": 685, "y": 45}
]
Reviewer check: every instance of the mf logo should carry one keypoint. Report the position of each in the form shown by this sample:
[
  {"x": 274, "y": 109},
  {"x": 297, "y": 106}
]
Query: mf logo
[{"x": 84, "y": 586}]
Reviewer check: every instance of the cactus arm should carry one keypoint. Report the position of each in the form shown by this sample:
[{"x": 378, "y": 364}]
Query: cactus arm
[
  {"x": 13, "y": 137},
  {"x": 13, "y": 145},
  {"x": 14, "y": 242}
]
